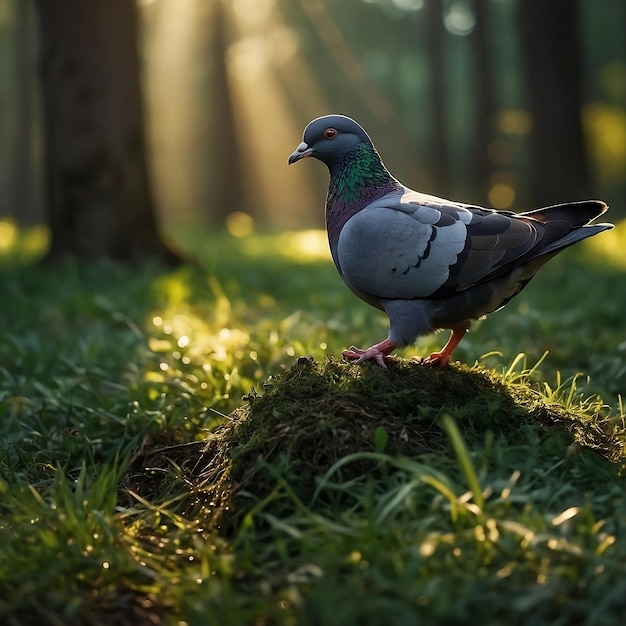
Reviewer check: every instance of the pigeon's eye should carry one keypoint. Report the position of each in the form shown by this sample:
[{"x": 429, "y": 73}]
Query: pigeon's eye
[{"x": 330, "y": 133}]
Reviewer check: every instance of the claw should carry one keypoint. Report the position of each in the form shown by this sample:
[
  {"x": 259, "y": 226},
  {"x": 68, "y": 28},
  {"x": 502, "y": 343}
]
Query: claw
[
  {"x": 436, "y": 359},
  {"x": 379, "y": 353},
  {"x": 442, "y": 358}
]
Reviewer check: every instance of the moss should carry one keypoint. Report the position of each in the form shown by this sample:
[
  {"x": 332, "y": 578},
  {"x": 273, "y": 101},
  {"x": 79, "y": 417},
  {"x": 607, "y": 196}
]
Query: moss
[{"x": 314, "y": 414}]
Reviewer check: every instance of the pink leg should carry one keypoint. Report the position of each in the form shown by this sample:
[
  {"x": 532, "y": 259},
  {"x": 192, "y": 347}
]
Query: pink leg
[
  {"x": 379, "y": 353},
  {"x": 442, "y": 358}
]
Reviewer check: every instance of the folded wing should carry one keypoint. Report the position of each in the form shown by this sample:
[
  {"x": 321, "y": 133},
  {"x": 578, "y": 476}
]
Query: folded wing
[{"x": 411, "y": 245}]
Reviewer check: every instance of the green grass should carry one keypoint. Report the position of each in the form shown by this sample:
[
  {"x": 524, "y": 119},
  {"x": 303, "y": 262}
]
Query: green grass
[{"x": 138, "y": 487}]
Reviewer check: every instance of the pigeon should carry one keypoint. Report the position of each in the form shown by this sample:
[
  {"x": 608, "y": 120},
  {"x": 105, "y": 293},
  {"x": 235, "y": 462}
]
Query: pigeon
[{"x": 428, "y": 263}]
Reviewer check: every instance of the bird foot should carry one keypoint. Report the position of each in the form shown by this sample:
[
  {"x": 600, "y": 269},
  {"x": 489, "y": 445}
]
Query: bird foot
[
  {"x": 437, "y": 359},
  {"x": 442, "y": 358},
  {"x": 379, "y": 353}
]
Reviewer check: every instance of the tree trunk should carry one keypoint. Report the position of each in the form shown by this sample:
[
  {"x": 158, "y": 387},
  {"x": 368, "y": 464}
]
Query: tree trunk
[
  {"x": 480, "y": 166},
  {"x": 227, "y": 193},
  {"x": 97, "y": 187},
  {"x": 23, "y": 183},
  {"x": 438, "y": 148},
  {"x": 552, "y": 60}
]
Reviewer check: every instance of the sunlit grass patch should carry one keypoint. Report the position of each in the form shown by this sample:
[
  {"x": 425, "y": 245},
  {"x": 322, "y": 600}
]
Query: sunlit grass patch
[{"x": 225, "y": 342}]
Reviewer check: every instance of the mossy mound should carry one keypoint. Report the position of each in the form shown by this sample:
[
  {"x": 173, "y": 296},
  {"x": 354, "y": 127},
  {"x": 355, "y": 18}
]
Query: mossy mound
[{"x": 314, "y": 414}]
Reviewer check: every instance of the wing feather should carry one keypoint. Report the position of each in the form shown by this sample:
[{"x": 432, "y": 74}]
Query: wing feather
[{"x": 417, "y": 246}]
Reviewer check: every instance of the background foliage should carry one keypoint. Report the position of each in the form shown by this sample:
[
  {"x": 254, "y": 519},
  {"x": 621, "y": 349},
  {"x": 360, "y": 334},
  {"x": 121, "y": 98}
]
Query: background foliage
[{"x": 230, "y": 85}]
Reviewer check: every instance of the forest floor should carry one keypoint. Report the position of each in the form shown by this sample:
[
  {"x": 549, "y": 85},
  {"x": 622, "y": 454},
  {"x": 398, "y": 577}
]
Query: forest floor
[{"x": 187, "y": 447}]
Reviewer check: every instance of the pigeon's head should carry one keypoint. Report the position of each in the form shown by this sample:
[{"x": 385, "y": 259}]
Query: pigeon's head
[{"x": 327, "y": 138}]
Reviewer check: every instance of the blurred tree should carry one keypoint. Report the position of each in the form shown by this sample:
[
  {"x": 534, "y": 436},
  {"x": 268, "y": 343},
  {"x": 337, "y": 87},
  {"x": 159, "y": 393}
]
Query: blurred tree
[
  {"x": 438, "y": 144},
  {"x": 97, "y": 187},
  {"x": 22, "y": 190},
  {"x": 553, "y": 74},
  {"x": 227, "y": 193},
  {"x": 480, "y": 166}
]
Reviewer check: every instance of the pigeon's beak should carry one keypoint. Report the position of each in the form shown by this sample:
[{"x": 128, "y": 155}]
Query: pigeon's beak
[{"x": 301, "y": 152}]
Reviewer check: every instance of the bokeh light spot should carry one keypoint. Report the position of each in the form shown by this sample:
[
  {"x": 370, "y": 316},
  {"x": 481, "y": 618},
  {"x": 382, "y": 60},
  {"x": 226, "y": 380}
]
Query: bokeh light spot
[
  {"x": 515, "y": 122},
  {"x": 609, "y": 248},
  {"x": 8, "y": 234},
  {"x": 459, "y": 18},
  {"x": 409, "y": 5},
  {"x": 304, "y": 245},
  {"x": 501, "y": 196},
  {"x": 239, "y": 224}
]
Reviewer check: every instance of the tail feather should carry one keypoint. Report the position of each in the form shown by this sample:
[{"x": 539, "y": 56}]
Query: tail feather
[
  {"x": 566, "y": 224},
  {"x": 573, "y": 237},
  {"x": 577, "y": 214}
]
